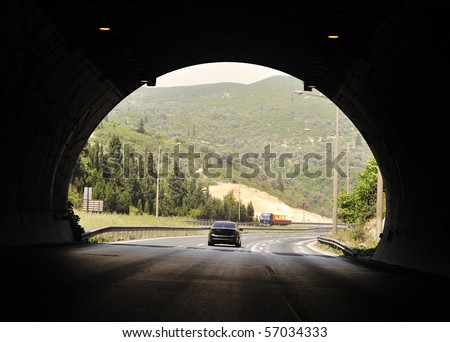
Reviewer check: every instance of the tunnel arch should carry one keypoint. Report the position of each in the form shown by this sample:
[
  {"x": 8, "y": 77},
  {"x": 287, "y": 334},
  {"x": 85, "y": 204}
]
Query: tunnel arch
[{"x": 60, "y": 77}]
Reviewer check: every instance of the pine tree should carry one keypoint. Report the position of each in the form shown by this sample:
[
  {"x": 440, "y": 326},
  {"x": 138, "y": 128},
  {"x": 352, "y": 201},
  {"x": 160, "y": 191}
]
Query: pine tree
[
  {"x": 174, "y": 187},
  {"x": 113, "y": 169},
  {"x": 141, "y": 128},
  {"x": 140, "y": 207},
  {"x": 250, "y": 211},
  {"x": 230, "y": 206}
]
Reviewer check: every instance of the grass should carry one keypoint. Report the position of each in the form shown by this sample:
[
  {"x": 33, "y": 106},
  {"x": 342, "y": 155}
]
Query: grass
[
  {"x": 328, "y": 248},
  {"x": 359, "y": 239},
  {"x": 91, "y": 221}
]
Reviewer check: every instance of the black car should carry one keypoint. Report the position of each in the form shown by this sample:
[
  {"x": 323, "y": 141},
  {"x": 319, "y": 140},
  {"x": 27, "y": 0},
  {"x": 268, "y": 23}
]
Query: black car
[{"x": 224, "y": 232}]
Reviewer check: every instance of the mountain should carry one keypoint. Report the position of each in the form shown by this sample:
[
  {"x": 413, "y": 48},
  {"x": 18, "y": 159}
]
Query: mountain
[{"x": 263, "y": 135}]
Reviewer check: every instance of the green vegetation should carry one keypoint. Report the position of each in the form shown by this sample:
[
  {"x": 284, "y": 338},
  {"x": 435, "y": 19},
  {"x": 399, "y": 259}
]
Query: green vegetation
[
  {"x": 359, "y": 206},
  {"x": 358, "y": 209},
  {"x": 357, "y": 238},
  {"x": 95, "y": 220},
  {"x": 74, "y": 220},
  {"x": 135, "y": 185}
]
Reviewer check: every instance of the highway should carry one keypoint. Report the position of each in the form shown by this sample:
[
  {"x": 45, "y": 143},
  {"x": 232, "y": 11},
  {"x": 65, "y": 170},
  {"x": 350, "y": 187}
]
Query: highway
[{"x": 271, "y": 278}]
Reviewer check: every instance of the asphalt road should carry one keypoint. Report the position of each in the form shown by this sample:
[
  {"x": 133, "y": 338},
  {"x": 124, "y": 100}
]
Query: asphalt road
[{"x": 271, "y": 278}]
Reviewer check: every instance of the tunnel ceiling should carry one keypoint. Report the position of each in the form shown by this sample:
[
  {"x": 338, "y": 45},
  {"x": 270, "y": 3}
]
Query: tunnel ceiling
[{"x": 149, "y": 38}]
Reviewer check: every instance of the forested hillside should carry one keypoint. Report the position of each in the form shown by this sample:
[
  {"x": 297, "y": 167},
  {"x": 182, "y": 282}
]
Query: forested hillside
[{"x": 264, "y": 135}]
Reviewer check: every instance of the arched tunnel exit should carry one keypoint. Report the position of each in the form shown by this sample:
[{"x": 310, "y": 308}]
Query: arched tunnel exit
[
  {"x": 387, "y": 72},
  {"x": 234, "y": 124}
]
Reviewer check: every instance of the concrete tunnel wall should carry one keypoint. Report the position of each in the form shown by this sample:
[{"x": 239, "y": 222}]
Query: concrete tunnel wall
[
  {"x": 394, "y": 90},
  {"x": 52, "y": 98}
]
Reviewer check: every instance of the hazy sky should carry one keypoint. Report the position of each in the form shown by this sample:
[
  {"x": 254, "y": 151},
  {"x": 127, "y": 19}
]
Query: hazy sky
[{"x": 216, "y": 73}]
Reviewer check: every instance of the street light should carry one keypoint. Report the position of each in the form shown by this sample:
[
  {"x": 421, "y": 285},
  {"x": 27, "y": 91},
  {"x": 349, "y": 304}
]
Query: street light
[
  {"x": 157, "y": 181},
  {"x": 335, "y": 166}
]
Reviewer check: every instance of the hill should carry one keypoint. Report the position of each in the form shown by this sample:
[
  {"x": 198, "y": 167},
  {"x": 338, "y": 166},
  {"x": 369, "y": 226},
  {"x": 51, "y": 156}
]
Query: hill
[
  {"x": 262, "y": 134},
  {"x": 264, "y": 202}
]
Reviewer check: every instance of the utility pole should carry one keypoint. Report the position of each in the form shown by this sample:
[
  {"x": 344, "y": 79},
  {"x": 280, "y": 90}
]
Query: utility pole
[
  {"x": 335, "y": 176},
  {"x": 157, "y": 182},
  {"x": 239, "y": 203},
  {"x": 347, "y": 170}
]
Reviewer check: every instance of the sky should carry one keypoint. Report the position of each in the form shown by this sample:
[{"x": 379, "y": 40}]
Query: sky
[{"x": 215, "y": 73}]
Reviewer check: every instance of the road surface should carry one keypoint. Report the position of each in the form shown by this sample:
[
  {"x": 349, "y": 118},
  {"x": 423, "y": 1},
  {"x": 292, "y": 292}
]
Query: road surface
[{"x": 272, "y": 277}]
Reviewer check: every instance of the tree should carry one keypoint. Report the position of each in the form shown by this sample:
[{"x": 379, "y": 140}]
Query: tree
[
  {"x": 174, "y": 188},
  {"x": 230, "y": 206},
  {"x": 113, "y": 167},
  {"x": 147, "y": 207},
  {"x": 140, "y": 207},
  {"x": 74, "y": 221},
  {"x": 141, "y": 128},
  {"x": 360, "y": 206},
  {"x": 250, "y": 211}
]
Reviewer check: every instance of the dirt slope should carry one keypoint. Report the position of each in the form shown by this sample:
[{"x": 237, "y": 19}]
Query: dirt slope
[{"x": 264, "y": 202}]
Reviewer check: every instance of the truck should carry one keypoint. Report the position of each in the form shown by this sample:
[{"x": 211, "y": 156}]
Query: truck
[{"x": 271, "y": 219}]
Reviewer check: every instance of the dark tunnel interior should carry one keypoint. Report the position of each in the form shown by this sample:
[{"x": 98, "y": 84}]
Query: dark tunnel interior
[{"x": 388, "y": 72}]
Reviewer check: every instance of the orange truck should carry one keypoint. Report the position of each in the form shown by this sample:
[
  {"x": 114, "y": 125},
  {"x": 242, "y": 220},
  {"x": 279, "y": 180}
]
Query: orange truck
[{"x": 270, "y": 219}]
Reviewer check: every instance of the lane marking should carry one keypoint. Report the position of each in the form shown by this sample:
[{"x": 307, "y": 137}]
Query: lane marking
[{"x": 293, "y": 311}]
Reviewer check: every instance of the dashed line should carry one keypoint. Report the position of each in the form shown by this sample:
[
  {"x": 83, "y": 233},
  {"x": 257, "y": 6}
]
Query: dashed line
[
  {"x": 293, "y": 311},
  {"x": 270, "y": 270}
]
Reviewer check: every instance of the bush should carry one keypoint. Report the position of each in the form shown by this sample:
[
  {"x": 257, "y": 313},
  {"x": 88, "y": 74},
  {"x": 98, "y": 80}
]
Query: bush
[{"x": 74, "y": 220}]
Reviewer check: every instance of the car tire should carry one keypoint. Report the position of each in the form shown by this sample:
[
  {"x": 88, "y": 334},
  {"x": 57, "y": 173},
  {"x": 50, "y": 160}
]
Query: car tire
[{"x": 210, "y": 244}]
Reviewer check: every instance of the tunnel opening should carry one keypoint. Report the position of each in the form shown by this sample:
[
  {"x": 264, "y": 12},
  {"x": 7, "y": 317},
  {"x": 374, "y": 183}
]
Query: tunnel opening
[
  {"x": 373, "y": 74},
  {"x": 270, "y": 136}
]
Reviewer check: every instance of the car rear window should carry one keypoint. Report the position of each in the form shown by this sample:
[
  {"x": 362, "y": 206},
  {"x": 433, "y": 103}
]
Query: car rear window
[{"x": 224, "y": 225}]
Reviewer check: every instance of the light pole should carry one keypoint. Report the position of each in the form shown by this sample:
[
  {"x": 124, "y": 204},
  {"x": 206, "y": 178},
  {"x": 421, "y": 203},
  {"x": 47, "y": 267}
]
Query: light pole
[
  {"x": 335, "y": 176},
  {"x": 157, "y": 182},
  {"x": 239, "y": 203},
  {"x": 335, "y": 167}
]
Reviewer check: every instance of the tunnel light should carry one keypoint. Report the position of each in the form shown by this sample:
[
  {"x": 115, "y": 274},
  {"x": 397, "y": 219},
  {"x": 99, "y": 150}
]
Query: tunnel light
[
  {"x": 309, "y": 87},
  {"x": 333, "y": 36},
  {"x": 148, "y": 82},
  {"x": 104, "y": 28}
]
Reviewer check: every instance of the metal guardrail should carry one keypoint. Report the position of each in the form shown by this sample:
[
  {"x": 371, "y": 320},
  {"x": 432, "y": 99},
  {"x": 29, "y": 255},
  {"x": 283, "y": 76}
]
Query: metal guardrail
[
  {"x": 337, "y": 244},
  {"x": 257, "y": 224},
  {"x": 139, "y": 232},
  {"x": 116, "y": 233}
]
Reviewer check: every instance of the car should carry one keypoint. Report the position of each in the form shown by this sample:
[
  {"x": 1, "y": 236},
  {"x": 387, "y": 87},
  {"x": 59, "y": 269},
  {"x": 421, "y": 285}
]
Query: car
[{"x": 224, "y": 232}]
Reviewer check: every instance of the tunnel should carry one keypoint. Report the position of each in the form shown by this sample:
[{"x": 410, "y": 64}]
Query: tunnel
[{"x": 386, "y": 69}]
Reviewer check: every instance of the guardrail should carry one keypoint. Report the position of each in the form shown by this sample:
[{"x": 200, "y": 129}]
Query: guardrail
[
  {"x": 257, "y": 224},
  {"x": 118, "y": 233},
  {"x": 337, "y": 244}
]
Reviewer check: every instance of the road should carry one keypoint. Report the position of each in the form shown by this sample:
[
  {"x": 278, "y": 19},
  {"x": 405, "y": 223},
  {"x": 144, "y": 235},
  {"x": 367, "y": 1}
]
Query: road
[{"x": 271, "y": 278}]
